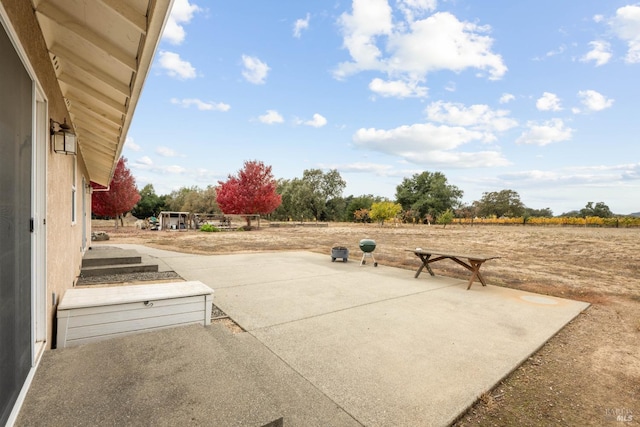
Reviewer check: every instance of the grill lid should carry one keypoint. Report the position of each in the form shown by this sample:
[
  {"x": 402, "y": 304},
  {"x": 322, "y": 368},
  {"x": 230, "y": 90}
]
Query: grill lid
[{"x": 367, "y": 245}]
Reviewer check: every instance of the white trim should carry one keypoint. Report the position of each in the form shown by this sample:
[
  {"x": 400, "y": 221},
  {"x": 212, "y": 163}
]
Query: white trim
[
  {"x": 39, "y": 212},
  {"x": 74, "y": 191},
  {"x": 23, "y": 392},
  {"x": 84, "y": 215},
  {"x": 37, "y": 349}
]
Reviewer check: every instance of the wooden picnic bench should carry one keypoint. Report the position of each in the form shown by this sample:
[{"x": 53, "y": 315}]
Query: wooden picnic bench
[{"x": 472, "y": 263}]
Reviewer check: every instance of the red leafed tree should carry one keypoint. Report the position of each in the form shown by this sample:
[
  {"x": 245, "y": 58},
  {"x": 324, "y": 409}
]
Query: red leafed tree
[
  {"x": 252, "y": 191},
  {"x": 121, "y": 197}
]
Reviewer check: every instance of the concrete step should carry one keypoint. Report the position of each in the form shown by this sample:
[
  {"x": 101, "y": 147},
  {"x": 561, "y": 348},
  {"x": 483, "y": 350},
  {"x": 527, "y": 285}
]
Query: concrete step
[
  {"x": 98, "y": 262},
  {"x": 104, "y": 270},
  {"x": 110, "y": 256}
]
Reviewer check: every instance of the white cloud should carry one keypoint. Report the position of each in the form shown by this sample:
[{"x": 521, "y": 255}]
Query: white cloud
[
  {"x": 553, "y": 130},
  {"x": 201, "y": 105},
  {"x": 255, "y": 71},
  {"x": 413, "y": 48},
  {"x": 594, "y": 101},
  {"x": 174, "y": 169},
  {"x": 145, "y": 160},
  {"x": 359, "y": 167},
  {"x": 129, "y": 144},
  {"x": 181, "y": 13},
  {"x": 369, "y": 19},
  {"x": 416, "y": 8},
  {"x": 626, "y": 25},
  {"x": 478, "y": 117},
  {"x": 506, "y": 98},
  {"x": 299, "y": 25},
  {"x": 317, "y": 122},
  {"x": 428, "y": 144},
  {"x": 205, "y": 175},
  {"x": 441, "y": 42},
  {"x": 600, "y": 53},
  {"x": 271, "y": 117},
  {"x": 548, "y": 102},
  {"x": 557, "y": 51},
  {"x": 602, "y": 174},
  {"x": 598, "y": 18},
  {"x": 175, "y": 66},
  {"x": 166, "y": 152},
  {"x": 397, "y": 88}
]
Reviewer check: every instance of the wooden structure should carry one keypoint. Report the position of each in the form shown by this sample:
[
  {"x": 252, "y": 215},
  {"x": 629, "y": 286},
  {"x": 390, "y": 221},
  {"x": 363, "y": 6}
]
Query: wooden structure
[
  {"x": 174, "y": 220},
  {"x": 94, "y": 314},
  {"x": 223, "y": 221},
  {"x": 473, "y": 263}
]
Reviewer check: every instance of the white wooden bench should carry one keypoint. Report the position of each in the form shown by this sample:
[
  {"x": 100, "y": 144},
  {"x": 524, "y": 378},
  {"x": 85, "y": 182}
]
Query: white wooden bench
[{"x": 94, "y": 314}]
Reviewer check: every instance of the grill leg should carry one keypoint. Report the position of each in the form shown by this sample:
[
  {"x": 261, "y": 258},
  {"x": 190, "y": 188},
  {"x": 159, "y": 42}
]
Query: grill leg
[{"x": 368, "y": 254}]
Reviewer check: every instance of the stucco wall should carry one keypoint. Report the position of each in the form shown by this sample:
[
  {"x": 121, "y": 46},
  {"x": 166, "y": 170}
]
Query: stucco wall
[{"x": 64, "y": 239}]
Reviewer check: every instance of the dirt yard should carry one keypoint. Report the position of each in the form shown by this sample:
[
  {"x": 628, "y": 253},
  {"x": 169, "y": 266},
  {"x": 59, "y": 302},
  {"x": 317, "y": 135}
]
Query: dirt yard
[{"x": 588, "y": 374}]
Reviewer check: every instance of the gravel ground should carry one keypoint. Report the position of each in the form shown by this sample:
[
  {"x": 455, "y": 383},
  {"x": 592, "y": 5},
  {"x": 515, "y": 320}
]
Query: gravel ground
[
  {"x": 216, "y": 313},
  {"x": 128, "y": 278}
]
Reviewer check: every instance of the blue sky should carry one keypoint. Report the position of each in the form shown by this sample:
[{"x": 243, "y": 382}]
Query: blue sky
[{"x": 540, "y": 97}]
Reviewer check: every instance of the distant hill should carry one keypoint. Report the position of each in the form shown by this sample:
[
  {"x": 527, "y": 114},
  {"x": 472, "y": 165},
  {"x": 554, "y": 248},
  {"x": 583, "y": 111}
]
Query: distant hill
[{"x": 637, "y": 214}]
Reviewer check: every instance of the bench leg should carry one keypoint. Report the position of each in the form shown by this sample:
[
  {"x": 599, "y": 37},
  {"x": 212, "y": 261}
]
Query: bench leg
[
  {"x": 425, "y": 263},
  {"x": 475, "y": 269}
]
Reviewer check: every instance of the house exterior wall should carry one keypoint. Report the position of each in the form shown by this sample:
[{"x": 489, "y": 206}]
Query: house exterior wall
[{"x": 64, "y": 238}]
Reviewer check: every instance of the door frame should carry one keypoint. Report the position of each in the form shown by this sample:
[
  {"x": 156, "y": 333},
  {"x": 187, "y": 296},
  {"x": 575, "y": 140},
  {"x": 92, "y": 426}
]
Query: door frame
[
  {"x": 39, "y": 141},
  {"x": 39, "y": 215}
]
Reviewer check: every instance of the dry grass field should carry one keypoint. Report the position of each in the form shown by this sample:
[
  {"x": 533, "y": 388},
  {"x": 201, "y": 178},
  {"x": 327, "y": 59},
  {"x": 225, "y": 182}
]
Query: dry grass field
[{"x": 588, "y": 374}]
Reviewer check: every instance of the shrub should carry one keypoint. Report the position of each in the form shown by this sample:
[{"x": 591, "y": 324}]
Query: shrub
[
  {"x": 208, "y": 228},
  {"x": 445, "y": 217}
]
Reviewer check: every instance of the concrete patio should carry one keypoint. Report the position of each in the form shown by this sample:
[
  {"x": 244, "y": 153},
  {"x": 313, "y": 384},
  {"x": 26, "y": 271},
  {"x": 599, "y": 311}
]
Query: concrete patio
[{"x": 326, "y": 344}]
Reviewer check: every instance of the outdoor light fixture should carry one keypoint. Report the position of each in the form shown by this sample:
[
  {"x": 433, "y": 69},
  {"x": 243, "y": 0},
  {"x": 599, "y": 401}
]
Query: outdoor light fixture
[{"x": 62, "y": 138}]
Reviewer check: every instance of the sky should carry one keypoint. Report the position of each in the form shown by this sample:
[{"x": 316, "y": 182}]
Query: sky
[{"x": 539, "y": 97}]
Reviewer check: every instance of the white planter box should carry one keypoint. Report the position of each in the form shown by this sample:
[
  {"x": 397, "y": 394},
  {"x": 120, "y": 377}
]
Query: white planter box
[{"x": 94, "y": 314}]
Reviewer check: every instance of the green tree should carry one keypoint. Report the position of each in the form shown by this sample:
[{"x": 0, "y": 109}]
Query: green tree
[
  {"x": 445, "y": 218},
  {"x": 539, "y": 213},
  {"x": 467, "y": 211},
  {"x": 336, "y": 209},
  {"x": 284, "y": 212},
  {"x": 298, "y": 195},
  {"x": 384, "y": 211},
  {"x": 501, "y": 203},
  {"x": 176, "y": 200},
  {"x": 315, "y": 189},
  {"x": 360, "y": 202},
  {"x": 571, "y": 214},
  {"x": 427, "y": 194},
  {"x": 600, "y": 210},
  {"x": 193, "y": 199},
  {"x": 150, "y": 204}
]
